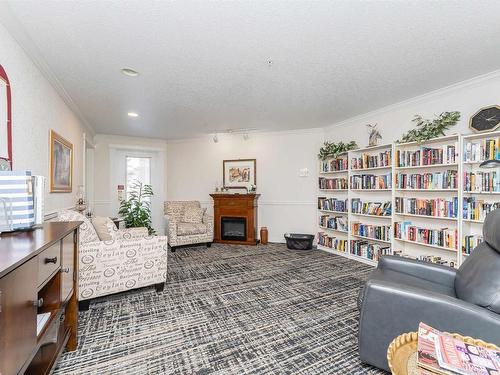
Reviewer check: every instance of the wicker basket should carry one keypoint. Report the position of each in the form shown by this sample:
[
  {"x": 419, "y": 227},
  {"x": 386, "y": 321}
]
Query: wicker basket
[{"x": 402, "y": 352}]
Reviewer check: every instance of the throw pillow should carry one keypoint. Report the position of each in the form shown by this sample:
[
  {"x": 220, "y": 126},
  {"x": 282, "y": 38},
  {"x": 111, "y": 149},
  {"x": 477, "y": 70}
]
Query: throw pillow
[
  {"x": 193, "y": 215},
  {"x": 104, "y": 227}
]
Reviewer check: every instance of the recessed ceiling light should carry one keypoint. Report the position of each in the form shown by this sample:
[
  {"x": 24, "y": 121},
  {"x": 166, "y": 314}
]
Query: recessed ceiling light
[
  {"x": 133, "y": 114},
  {"x": 130, "y": 72}
]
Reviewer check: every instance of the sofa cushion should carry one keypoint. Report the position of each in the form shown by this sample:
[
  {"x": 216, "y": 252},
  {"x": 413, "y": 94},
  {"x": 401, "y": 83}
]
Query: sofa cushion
[
  {"x": 104, "y": 227},
  {"x": 188, "y": 229},
  {"x": 478, "y": 279},
  {"x": 193, "y": 215},
  {"x": 87, "y": 231}
]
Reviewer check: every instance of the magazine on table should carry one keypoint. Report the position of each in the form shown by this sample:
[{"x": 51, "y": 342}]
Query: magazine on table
[{"x": 441, "y": 353}]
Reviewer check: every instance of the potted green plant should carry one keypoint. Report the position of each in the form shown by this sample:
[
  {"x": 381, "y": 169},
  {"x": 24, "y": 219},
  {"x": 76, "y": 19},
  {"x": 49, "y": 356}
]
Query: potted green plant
[{"x": 136, "y": 208}]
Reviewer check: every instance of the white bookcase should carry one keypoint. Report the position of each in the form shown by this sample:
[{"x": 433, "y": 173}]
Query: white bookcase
[{"x": 434, "y": 205}]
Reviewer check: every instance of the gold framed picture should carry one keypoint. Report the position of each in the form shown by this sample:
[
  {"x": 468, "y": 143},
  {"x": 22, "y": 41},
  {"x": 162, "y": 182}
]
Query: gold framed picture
[
  {"x": 239, "y": 173},
  {"x": 61, "y": 164}
]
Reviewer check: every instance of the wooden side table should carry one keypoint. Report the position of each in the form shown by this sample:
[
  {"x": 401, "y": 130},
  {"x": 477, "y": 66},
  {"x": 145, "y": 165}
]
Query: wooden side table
[{"x": 117, "y": 221}]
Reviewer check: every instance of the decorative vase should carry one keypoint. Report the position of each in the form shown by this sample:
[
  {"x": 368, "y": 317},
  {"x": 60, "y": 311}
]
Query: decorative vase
[{"x": 263, "y": 235}]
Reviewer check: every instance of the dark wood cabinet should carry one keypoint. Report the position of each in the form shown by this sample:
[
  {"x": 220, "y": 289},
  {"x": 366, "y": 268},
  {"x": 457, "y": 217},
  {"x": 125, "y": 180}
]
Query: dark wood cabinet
[
  {"x": 18, "y": 294},
  {"x": 38, "y": 278}
]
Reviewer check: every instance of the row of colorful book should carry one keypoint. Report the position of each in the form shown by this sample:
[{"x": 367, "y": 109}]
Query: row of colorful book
[
  {"x": 371, "y": 181},
  {"x": 332, "y": 242},
  {"x": 481, "y": 181},
  {"x": 382, "y": 159},
  {"x": 444, "y": 237},
  {"x": 482, "y": 150},
  {"x": 334, "y": 165},
  {"x": 365, "y": 249},
  {"x": 426, "y": 258},
  {"x": 469, "y": 242},
  {"x": 438, "y": 207},
  {"x": 371, "y": 208},
  {"x": 437, "y": 180},
  {"x": 332, "y": 183},
  {"x": 477, "y": 209},
  {"x": 426, "y": 156},
  {"x": 377, "y": 232},
  {"x": 332, "y": 204},
  {"x": 333, "y": 222}
]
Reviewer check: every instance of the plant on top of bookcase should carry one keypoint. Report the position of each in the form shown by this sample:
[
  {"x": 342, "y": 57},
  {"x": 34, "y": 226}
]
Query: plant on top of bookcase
[
  {"x": 429, "y": 129},
  {"x": 332, "y": 149}
]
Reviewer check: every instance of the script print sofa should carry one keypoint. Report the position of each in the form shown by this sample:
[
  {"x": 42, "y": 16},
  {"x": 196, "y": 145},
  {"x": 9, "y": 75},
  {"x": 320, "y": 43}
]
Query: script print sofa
[{"x": 131, "y": 259}]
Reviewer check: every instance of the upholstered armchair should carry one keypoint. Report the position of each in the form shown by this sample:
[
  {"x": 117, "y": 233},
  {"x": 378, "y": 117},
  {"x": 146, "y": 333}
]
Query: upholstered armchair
[
  {"x": 402, "y": 292},
  {"x": 188, "y": 224},
  {"x": 127, "y": 259}
]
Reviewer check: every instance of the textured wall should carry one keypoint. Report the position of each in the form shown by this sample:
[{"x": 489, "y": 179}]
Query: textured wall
[{"x": 37, "y": 108}]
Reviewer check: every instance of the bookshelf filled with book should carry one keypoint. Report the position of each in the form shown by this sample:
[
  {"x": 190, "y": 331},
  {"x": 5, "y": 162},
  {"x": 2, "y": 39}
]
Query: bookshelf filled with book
[
  {"x": 481, "y": 187},
  {"x": 425, "y": 200}
]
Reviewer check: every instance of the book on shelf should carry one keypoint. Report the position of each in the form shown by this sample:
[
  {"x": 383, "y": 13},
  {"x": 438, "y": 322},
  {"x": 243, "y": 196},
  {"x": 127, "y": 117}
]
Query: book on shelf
[
  {"x": 437, "y": 180},
  {"x": 470, "y": 241},
  {"x": 333, "y": 222},
  {"x": 376, "y": 232},
  {"x": 371, "y": 251},
  {"x": 477, "y": 209},
  {"x": 332, "y": 204},
  {"x": 481, "y": 150},
  {"x": 371, "y": 181},
  {"x": 333, "y": 165},
  {"x": 382, "y": 159},
  {"x": 437, "y": 207},
  {"x": 481, "y": 182},
  {"x": 426, "y": 258},
  {"x": 444, "y": 237},
  {"x": 427, "y": 156},
  {"x": 332, "y": 183},
  {"x": 332, "y": 242},
  {"x": 371, "y": 208}
]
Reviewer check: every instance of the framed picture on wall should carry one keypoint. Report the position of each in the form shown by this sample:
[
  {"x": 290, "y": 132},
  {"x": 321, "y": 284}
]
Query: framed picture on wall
[
  {"x": 238, "y": 174},
  {"x": 61, "y": 164}
]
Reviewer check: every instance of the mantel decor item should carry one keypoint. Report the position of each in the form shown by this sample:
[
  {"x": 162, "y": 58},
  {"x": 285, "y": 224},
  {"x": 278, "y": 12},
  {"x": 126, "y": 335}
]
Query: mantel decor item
[
  {"x": 374, "y": 135},
  {"x": 5, "y": 122},
  {"x": 239, "y": 174},
  {"x": 486, "y": 119},
  {"x": 332, "y": 149},
  {"x": 61, "y": 164},
  {"x": 429, "y": 129}
]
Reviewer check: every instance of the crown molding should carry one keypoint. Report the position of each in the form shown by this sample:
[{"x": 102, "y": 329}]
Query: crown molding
[
  {"x": 17, "y": 32},
  {"x": 471, "y": 82}
]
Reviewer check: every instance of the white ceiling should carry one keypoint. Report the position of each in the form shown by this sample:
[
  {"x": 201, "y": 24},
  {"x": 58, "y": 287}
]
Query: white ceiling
[{"x": 204, "y": 64}]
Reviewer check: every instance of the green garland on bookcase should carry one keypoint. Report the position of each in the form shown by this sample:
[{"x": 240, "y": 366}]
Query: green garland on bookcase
[
  {"x": 429, "y": 129},
  {"x": 332, "y": 149}
]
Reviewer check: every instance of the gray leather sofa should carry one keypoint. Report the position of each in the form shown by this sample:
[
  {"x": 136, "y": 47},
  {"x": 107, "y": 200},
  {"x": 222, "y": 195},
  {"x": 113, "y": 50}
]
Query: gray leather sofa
[{"x": 401, "y": 293}]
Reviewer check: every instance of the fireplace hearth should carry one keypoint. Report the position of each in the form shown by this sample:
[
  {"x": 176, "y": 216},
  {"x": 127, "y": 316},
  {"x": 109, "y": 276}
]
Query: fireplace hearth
[
  {"x": 235, "y": 218},
  {"x": 234, "y": 228}
]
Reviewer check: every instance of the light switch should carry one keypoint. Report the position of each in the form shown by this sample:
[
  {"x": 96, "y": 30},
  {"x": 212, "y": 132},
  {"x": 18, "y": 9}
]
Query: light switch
[{"x": 303, "y": 172}]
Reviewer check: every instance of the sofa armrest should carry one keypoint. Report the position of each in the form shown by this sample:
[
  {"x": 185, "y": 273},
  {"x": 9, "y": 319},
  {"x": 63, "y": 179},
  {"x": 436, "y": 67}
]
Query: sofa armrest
[
  {"x": 209, "y": 221},
  {"x": 390, "y": 309},
  {"x": 436, "y": 273},
  {"x": 171, "y": 228},
  {"x": 129, "y": 233}
]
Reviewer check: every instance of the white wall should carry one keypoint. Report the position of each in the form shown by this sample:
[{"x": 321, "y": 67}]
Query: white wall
[
  {"x": 37, "y": 108},
  {"x": 105, "y": 159},
  {"x": 466, "y": 97},
  {"x": 287, "y": 202}
]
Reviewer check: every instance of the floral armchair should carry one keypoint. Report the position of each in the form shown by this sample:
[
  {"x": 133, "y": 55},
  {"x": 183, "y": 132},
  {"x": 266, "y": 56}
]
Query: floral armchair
[
  {"x": 188, "y": 223},
  {"x": 130, "y": 259}
]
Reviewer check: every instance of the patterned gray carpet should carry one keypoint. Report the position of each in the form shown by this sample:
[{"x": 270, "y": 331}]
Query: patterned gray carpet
[{"x": 229, "y": 310}]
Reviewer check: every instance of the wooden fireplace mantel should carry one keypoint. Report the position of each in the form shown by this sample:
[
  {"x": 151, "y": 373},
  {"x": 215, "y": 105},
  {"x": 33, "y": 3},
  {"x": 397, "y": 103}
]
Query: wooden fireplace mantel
[{"x": 240, "y": 206}]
